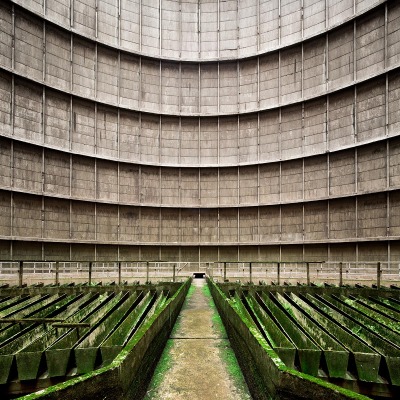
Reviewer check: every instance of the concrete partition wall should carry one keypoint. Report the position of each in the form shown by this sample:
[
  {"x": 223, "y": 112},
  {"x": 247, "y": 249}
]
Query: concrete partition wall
[
  {"x": 267, "y": 376},
  {"x": 236, "y": 130},
  {"x": 130, "y": 372}
]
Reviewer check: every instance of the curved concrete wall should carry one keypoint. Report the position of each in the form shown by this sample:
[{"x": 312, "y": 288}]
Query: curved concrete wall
[
  {"x": 200, "y": 131},
  {"x": 360, "y": 114},
  {"x": 193, "y": 30},
  {"x": 360, "y": 49}
]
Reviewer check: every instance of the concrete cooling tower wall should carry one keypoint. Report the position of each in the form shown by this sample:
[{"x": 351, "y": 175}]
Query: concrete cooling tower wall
[{"x": 200, "y": 130}]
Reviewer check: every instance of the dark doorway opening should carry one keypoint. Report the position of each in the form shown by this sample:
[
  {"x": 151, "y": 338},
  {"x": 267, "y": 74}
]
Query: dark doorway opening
[{"x": 199, "y": 275}]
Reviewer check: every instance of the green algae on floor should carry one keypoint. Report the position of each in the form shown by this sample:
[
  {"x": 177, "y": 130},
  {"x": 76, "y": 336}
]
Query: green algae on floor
[
  {"x": 198, "y": 362},
  {"x": 216, "y": 319},
  {"x": 164, "y": 364},
  {"x": 226, "y": 352},
  {"x": 177, "y": 324},
  {"x": 234, "y": 371}
]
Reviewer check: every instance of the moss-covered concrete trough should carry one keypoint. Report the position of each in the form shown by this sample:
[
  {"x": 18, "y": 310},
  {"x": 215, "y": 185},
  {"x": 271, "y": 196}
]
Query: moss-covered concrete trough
[
  {"x": 78, "y": 341},
  {"x": 300, "y": 342}
]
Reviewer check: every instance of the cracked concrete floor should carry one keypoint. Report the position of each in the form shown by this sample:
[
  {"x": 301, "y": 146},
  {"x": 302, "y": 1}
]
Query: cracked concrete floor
[{"x": 198, "y": 362}]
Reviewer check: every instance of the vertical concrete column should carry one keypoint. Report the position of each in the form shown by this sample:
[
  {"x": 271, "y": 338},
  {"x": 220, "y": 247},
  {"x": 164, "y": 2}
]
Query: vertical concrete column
[
  {"x": 90, "y": 271},
  {"x": 278, "y": 273},
  {"x": 119, "y": 273},
  {"x": 308, "y": 273},
  {"x": 224, "y": 271},
  {"x": 13, "y": 50},
  {"x": 251, "y": 273},
  {"x": 279, "y": 25},
  {"x": 378, "y": 275},
  {"x": 43, "y": 61},
  {"x": 20, "y": 273},
  {"x": 340, "y": 274},
  {"x": 57, "y": 272},
  {"x": 97, "y": 18}
]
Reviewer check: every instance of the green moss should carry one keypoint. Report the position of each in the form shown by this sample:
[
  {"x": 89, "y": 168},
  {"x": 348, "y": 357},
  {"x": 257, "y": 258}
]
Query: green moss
[
  {"x": 178, "y": 321},
  {"x": 349, "y": 393},
  {"x": 275, "y": 358},
  {"x": 225, "y": 350},
  {"x": 117, "y": 361},
  {"x": 163, "y": 366},
  {"x": 216, "y": 319},
  {"x": 235, "y": 373}
]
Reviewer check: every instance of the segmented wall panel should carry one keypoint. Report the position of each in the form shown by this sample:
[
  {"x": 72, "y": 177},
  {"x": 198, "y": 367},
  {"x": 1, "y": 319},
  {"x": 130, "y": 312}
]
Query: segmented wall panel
[{"x": 197, "y": 131}]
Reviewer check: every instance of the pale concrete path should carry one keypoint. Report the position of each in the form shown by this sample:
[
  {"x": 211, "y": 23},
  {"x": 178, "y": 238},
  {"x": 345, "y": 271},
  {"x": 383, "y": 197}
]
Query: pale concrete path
[{"x": 198, "y": 362}]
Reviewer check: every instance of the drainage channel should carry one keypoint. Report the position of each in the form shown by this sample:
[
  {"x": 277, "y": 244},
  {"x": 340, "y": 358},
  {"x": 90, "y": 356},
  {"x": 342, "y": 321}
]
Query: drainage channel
[{"x": 198, "y": 361}]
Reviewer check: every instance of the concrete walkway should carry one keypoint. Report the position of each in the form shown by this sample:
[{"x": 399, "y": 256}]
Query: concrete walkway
[{"x": 198, "y": 362}]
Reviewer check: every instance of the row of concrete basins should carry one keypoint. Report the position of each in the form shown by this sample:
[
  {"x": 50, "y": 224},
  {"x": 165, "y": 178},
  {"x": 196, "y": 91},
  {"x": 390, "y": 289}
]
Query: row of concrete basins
[
  {"x": 70, "y": 331},
  {"x": 105, "y": 339},
  {"x": 350, "y": 337}
]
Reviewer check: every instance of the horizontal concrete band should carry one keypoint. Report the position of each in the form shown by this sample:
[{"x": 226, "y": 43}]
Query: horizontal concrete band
[
  {"x": 368, "y": 169},
  {"x": 193, "y": 30},
  {"x": 349, "y": 118},
  {"x": 365, "y": 217},
  {"x": 363, "y": 251},
  {"x": 352, "y": 53}
]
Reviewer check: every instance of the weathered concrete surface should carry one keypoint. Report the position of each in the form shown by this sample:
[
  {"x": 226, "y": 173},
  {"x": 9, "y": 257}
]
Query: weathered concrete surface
[
  {"x": 268, "y": 376},
  {"x": 125, "y": 376},
  {"x": 198, "y": 361},
  {"x": 110, "y": 131}
]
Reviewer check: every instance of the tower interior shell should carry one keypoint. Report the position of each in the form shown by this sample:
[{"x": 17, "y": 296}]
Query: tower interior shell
[{"x": 200, "y": 130}]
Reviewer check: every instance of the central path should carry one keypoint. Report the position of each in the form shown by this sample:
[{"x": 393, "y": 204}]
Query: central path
[{"x": 198, "y": 362}]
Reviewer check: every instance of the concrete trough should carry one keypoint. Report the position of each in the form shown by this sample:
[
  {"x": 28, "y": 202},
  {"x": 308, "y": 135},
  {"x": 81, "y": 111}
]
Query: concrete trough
[
  {"x": 21, "y": 304},
  {"x": 336, "y": 356},
  {"x": 58, "y": 355},
  {"x": 59, "y": 349},
  {"x": 156, "y": 305},
  {"x": 8, "y": 302},
  {"x": 308, "y": 352},
  {"x": 269, "y": 376},
  {"x": 390, "y": 302},
  {"x": 124, "y": 377},
  {"x": 23, "y": 309},
  {"x": 373, "y": 315},
  {"x": 29, "y": 358},
  {"x": 118, "y": 339},
  {"x": 366, "y": 360},
  {"x": 57, "y": 359},
  {"x": 382, "y": 308},
  {"x": 276, "y": 338},
  {"x": 370, "y": 335},
  {"x": 27, "y": 369},
  {"x": 87, "y": 349},
  {"x": 386, "y": 330}
]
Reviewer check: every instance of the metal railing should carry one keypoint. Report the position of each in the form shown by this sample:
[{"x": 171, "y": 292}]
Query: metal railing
[
  {"x": 57, "y": 272},
  {"x": 278, "y": 272},
  {"x": 307, "y": 272}
]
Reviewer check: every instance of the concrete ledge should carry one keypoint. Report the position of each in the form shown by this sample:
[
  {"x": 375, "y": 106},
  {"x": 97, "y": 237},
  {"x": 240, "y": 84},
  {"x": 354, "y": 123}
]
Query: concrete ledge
[
  {"x": 128, "y": 373},
  {"x": 33, "y": 290},
  {"x": 269, "y": 376}
]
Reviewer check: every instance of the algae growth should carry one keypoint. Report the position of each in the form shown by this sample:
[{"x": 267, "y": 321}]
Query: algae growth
[
  {"x": 225, "y": 350},
  {"x": 165, "y": 363},
  {"x": 162, "y": 367}
]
